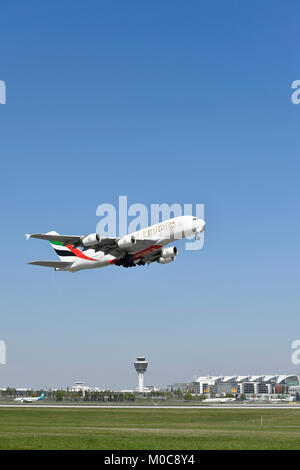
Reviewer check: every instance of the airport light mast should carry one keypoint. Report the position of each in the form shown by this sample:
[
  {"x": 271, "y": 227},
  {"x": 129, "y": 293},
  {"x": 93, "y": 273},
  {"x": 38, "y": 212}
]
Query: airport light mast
[{"x": 141, "y": 366}]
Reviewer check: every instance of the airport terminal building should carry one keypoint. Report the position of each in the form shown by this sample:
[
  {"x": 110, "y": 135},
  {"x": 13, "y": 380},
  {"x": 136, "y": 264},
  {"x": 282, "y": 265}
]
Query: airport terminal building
[{"x": 240, "y": 384}]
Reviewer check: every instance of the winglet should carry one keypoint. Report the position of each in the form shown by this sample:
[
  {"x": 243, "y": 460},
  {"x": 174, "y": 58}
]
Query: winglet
[{"x": 27, "y": 236}]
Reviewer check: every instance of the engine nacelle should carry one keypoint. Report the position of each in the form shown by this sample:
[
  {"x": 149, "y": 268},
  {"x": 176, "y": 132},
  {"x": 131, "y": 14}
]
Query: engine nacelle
[
  {"x": 127, "y": 242},
  {"x": 166, "y": 260},
  {"x": 170, "y": 252},
  {"x": 91, "y": 240}
]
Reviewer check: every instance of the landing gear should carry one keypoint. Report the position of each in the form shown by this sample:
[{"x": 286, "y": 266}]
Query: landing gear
[{"x": 127, "y": 261}]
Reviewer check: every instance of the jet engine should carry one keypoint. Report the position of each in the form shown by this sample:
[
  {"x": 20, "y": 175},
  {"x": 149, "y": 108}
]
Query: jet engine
[
  {"x": 170, "y": 252},
  {"x": 166, "y": 260},
  {"x": 91, "y": 240},
  {"x": 127, "y": 242}
]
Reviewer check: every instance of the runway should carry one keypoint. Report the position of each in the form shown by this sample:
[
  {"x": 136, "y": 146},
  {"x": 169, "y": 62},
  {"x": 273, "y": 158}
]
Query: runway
[{"x": 158, "y": 407}]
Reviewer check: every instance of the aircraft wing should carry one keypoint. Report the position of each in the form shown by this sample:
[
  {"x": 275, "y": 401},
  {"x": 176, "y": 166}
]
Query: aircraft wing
[
  {"x": 108, "y": 245},
  {"x": 149, "y": 250},
  {"x": 52, "y": 264},
  {"x": 143, "y": 247}
]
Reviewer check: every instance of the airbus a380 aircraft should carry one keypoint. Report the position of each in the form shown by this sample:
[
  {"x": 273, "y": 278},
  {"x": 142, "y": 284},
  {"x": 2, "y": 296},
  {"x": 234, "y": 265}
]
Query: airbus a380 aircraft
[{"x": 146, "y": 246}]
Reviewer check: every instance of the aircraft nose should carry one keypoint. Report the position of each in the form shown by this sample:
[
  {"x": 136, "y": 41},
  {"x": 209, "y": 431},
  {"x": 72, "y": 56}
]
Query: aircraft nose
[
  {"x": 198, "y": 225},
  {"x": 201, "y": 224}
]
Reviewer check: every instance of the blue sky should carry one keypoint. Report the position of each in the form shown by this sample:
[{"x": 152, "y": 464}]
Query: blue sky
[{"x": 172, "y": 101}]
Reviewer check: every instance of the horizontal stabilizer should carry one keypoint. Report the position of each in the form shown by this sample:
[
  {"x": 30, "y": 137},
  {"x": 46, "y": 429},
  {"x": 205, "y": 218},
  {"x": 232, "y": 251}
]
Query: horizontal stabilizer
[{"x": 52, "y": 264}]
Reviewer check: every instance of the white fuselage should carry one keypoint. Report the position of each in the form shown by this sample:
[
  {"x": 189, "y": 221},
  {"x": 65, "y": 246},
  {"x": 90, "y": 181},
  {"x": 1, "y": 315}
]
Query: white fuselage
[
  {"x": 218, "y": 400},
  {"x": 162, "y": 234},
  {"x": 27, "y": 399}
]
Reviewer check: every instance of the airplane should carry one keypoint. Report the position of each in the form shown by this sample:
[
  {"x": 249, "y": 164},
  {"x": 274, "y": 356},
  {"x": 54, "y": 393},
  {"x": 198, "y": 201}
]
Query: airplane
[
  {"x": 280, "y": 400},
  {"x": 30, "y": 399},
  {"x": 218, "y": 400},
  {"x": 146, "y": 246}
]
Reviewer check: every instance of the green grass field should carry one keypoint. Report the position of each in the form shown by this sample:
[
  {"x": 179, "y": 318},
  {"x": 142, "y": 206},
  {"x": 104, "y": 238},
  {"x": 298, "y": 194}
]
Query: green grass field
[{"x": 118, "y": 429}]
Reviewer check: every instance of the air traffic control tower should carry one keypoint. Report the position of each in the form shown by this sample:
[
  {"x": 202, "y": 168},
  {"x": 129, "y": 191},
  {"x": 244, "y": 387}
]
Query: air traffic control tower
[{"x": 141, "y": 366}]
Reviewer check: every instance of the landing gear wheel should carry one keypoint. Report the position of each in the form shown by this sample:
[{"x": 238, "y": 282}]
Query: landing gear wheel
[{"x": 127, "y": 261}]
